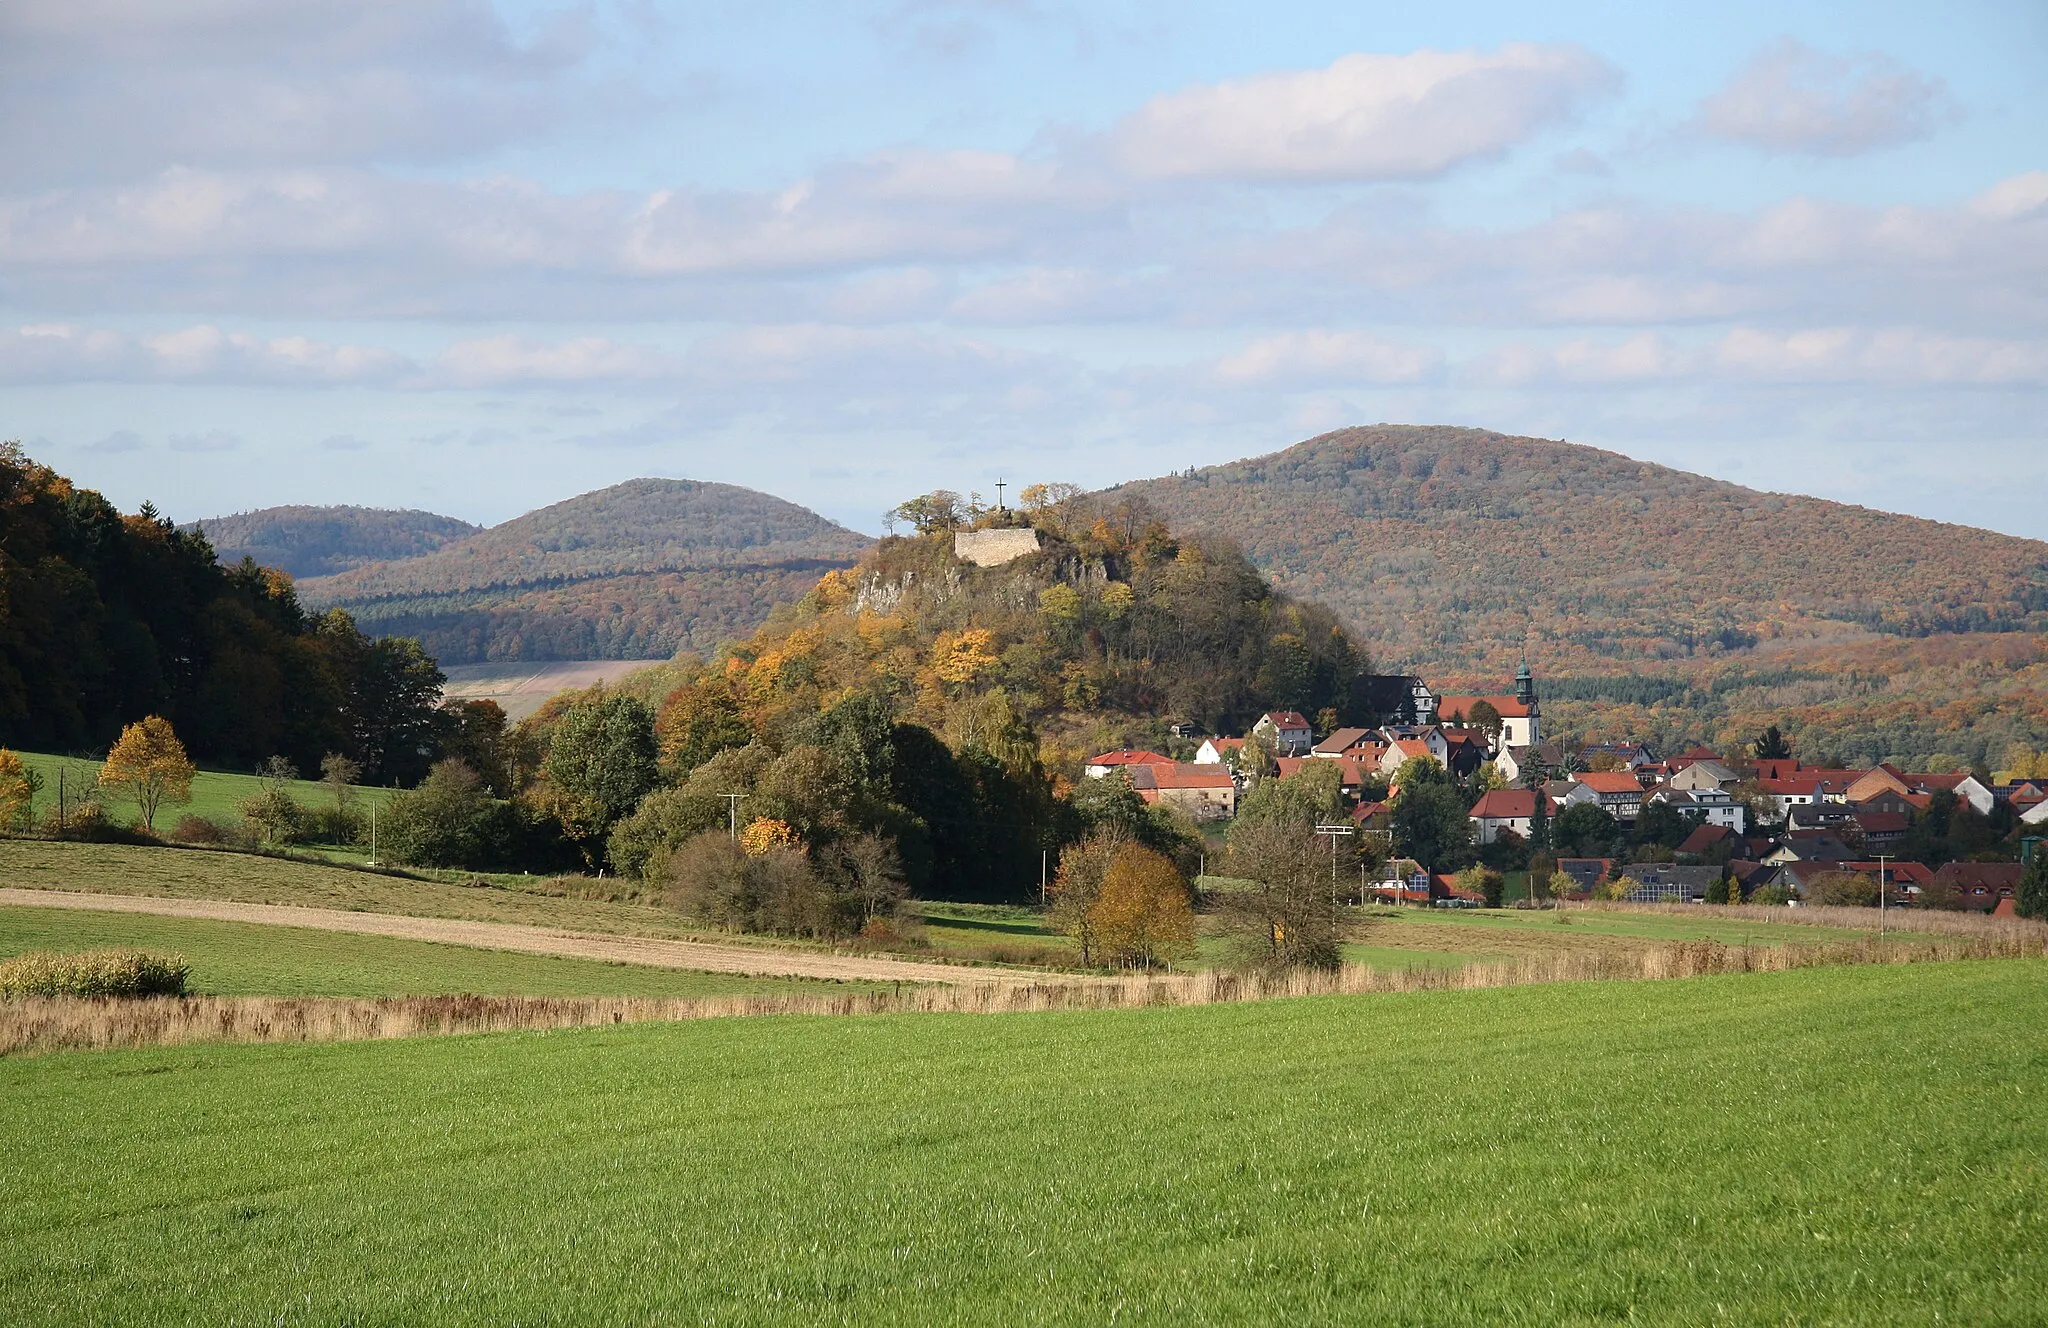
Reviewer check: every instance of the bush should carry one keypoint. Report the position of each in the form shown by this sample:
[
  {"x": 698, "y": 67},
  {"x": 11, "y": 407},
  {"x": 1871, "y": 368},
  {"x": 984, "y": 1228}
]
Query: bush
[
  {"x": 94, "y": 973},
  {"x": 197, "y": 830}
]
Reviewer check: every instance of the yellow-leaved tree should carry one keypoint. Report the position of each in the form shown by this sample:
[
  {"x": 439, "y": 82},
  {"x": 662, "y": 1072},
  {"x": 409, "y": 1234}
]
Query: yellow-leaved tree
[
  {"x": 1142, "y": 916},
  {"x": 764, "y": 833},
  {"x": 15, "y": 789},
  {"x": 150, "y": 765}
]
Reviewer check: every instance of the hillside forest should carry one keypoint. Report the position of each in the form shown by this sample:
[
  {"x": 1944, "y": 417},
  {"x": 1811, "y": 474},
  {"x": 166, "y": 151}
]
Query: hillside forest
[
  {"x": 106, "y": 618},
  {"x": 1453, "y": 550},
  {"x": 306, "y": 542},
  {"x": 637, "y": 571}
]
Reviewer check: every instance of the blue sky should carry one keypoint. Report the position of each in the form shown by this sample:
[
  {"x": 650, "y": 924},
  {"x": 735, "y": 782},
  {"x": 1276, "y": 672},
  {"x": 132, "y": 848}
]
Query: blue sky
[{"x": 477, "y": 259}]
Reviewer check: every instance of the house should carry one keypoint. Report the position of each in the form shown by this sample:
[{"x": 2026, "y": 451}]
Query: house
[
  {"x": 1711, "y": 805},
  {"x": 1403, "y": 750},
  {"x": 1102, "y": 764},
  {"x": 1402, "y": 881},
  {"x": 1429, "y": 735},
  {"x": 1465, "y": 750},
  {"x": 1521, "y": 715},
  {"x": 1205, "y": 792},
  {"x": 1822, "y": 815},
  {"x": 1351, "y": 776},
  {"x": 1668, "y": 883},
  {"x": 1219, "y": 751},
  {"x": 1629, "y": 756},
  {"x": 1692, "y": 756},
  {"x": 1820, "y": 846},
  {"x": 1614, "y": 791},
  {"x": 1901, "y": 878},
  {"x": 2035, "y": 815},
  {"x": 1749, "y": 873},
  {"x": 1525, "y": 763},
  {"x": 1503, "y": 809},
  {"x": 1286, "y": 732},
  {"x": 1702, "y": 775},
  {"x": 1706, "y": 839},
  {"x": 1340, "y": 742},
  {"x": 1393, "y": 698},
  {"x": 1888, "y": 777},
  {"x": 1881, "y": 830},
  {"x": 1586, "y": 872},
  {"x": 1980, "y": 886},
  {"x": 1374, "y": 817}
]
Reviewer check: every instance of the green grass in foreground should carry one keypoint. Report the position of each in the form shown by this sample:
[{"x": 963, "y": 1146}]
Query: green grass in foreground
[
  {"x": 249, "y": 959},
  {"x": 1849, "y": 1145}
]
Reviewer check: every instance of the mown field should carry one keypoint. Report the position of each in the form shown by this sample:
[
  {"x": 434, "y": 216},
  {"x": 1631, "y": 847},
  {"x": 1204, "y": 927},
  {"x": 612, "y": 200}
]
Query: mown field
[
  {"x": 217, "y": 795},
  {"x": 1383, "y": 937},
  {"x": 248, "y": 959},
  {"x": 1856, "y": 1145}
]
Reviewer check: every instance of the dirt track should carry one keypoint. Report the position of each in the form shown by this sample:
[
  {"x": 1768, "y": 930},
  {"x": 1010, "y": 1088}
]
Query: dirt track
[{"x": 540, "y": 940}]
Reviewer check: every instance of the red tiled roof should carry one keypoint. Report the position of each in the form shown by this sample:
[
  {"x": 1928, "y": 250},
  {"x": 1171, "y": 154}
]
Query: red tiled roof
[
  {"x": 1130, "y": 757},
  {"x": 1705, "y": 837},
  {"x": 1895, "y": 873},
  {"x": 1342, "y": 741},
  {"x": 1609, "y": 781},
  {"x": 1991, "y": 875},
  {"x": 1286, "y": 719},
  {"x": 1410, "y": 748},
  {"x": 1351, "y": 773},
  {"x": 1175, "y": 775},
  {"x": 1883, "y": 823},
  {"x": 1505, "y": 804}
]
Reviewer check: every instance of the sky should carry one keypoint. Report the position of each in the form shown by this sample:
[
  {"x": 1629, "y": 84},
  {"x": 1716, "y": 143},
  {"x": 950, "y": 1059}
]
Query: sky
[{"x": 478, "y": 258}]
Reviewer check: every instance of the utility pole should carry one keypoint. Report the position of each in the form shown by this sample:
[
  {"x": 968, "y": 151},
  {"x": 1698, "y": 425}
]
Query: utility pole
[
  {"x": 1043, "y": 856},
  {"x": 732, "y": 813},
  {"x": 1335, "y": 832},
  {"x": 373, "y": 832},
  {"x": 1881, "y": 878}
]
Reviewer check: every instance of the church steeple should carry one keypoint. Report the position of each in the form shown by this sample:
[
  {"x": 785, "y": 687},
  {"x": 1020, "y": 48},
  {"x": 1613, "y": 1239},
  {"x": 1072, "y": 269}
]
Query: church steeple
[{"x": 1525, "y": 684}]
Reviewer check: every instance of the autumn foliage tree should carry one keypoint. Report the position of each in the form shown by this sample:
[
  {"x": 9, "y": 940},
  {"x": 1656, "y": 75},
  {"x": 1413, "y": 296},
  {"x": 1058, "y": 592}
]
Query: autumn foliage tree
[
  {"x": 14, "y": 788},
  {"x": 1142, "y": 916},
  {"x": 150, "y": 765}
]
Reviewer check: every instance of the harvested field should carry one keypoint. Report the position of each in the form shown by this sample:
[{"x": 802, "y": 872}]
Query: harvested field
[
  {"x": 757, "y": 961},
  {"x": 64, "y": 1024}
]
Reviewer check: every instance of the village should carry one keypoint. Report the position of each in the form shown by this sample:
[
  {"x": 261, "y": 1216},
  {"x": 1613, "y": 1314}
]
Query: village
[{"x": 1612, "y": 820}]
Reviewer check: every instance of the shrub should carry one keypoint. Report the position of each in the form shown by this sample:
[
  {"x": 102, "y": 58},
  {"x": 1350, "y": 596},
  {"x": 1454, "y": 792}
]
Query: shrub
[
  {"x": 94, "y": 973},
  {"x": 197, "y": 830}
]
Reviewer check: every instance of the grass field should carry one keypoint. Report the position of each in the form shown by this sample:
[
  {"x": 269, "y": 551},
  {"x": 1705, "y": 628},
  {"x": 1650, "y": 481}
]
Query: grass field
[
  {"x": 181, "y": 873},
  {"x": 245, "y": 959},
  {"x": 1828, "y": 1146},
  {"x": 217, "y": 795}
]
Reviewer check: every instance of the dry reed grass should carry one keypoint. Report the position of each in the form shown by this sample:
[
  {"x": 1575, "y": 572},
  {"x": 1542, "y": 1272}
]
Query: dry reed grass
[
  {"x": 1923, "y": 922},
  {"x": 44, "y": 1024}
]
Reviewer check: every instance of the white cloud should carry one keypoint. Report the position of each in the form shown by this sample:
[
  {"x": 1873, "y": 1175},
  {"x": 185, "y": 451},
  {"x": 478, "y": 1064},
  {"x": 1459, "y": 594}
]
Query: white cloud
[
  {"x": 64, "y": 352},
  {"x": 120, "y": 86},
  {"x": 1879, "y": 357},
  {"x": 1792, "y": 98},
  {"x": 1322, "y": 358},
  {"x": 518, "y": 361},
  {"x": 1365, "y": 117}
]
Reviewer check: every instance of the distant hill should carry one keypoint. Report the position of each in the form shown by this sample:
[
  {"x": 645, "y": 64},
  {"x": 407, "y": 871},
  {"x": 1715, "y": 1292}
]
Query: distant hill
[
  {"x": 636, "y": 571},
  {"x": 1445, "y": 549},
  {"x": 321, "y": 541}
]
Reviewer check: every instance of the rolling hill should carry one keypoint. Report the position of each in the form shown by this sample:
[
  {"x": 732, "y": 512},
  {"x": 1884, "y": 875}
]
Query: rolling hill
[
  {"x": 636, "y": 571},
  {"x": 1446, "y": 549},
  {"x": 321, "y": 541}
]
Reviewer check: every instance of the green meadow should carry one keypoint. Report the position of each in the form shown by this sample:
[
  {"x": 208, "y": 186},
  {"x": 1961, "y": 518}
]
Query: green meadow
[
  {"x": 253, "y": 959},
  {"x": 217, "y": 795},
  {"x": 1853, "y": 1145}
]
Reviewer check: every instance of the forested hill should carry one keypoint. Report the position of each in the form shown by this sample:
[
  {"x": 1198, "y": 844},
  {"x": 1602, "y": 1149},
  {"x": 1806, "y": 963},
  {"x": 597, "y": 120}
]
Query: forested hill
[
  {"x": 1445, "y": 548},
  {"x": 636, "y": 571},
  {"x": 307, "y": 542}
]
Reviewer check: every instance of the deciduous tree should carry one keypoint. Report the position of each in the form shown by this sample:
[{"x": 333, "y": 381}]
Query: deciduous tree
[
  {"x": 15, "y": 792},
  {"x": 1142, "y": 916},
  {"x": 150, "y": 765}
]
